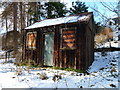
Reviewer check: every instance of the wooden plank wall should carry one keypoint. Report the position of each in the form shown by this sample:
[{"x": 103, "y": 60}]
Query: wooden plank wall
[
  {"x": 40, "y": 40},
  {"x": 89, "y": 46},
  {"x": 79, "y": 58},
  {"x": 36, "y": 54},
  {"x": 29, "y": 54},
  {"x": 82, "y": 56},
  {"x": 65, "y": 58},
  {"x": 81, "y": 46},
  {"x": 57, "y": 58}
]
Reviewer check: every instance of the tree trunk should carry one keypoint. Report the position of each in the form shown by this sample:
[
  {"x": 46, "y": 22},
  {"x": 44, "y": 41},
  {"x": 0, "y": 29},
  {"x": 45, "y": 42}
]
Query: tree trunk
[
  {"x": 15, "y": 48},
  {"x": 24, "y": 16},
  {"x": 21, "y": 15},
  {"x": 6, "y": 24}
]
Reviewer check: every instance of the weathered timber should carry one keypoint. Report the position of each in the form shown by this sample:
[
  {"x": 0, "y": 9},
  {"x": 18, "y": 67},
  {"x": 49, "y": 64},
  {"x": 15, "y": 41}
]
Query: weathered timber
[{"x": 73, "y": 44}]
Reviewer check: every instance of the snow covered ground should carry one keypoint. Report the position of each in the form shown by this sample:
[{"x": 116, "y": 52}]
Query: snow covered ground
[
  {"x": 115, "y": 44},
  {"x": 103, "y": 73}
]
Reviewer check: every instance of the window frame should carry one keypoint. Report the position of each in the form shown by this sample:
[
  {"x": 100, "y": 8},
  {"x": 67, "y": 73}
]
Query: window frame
[
  {"x": 32, "y": 46},
  {"x": 62, "y": 42}
]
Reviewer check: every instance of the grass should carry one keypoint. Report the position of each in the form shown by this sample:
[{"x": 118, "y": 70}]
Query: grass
[
  {"x": 70, "y": 69},
  {"x": 33, "y": 64}
]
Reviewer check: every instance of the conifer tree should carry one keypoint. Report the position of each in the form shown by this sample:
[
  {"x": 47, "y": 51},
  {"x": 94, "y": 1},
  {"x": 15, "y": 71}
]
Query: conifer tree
[
  {"x": 55, "y": 10},
  {"x": 78, "y": 8}
]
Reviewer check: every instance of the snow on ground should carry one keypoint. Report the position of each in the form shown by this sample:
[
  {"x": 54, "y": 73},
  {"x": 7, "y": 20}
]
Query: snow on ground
[
  {"x": 115, "y": 44},
  {"x": 103, "y": 74}
]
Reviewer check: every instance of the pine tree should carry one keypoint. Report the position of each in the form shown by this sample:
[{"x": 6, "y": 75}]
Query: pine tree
[
  {"x": 55, "y": 10},
  {"x": 78, "y": 8}
]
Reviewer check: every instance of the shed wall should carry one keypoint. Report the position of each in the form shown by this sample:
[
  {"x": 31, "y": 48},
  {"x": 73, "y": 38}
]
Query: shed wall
[{"x": 79, "y": 58}]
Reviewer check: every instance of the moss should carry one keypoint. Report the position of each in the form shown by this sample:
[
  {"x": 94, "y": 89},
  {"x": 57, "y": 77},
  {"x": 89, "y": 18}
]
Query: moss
[
  {"x": 70, "y": 69},
  {"x": 33, "y": 64}
]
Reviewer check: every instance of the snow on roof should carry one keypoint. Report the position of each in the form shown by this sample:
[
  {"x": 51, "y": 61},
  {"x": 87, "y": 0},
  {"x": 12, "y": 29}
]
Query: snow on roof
[{"x": 62, "y": 20}]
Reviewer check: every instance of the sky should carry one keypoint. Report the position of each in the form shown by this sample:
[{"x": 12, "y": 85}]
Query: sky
[
  {"x": 94, "y": 4},
  {"x": 97, "y": 5},
  {"x": 104, "y": 11}
]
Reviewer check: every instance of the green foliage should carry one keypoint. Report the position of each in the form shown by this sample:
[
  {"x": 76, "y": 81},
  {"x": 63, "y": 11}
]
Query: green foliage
[
  {"x": 70, "y": 69},
  {"x": 55, "y": 9},
  {"x": 78, "y": 8},
  {"x": 38, "y": 11},
  {"x": 33, "y": 64},
  {"x": 35, "y": 11}
]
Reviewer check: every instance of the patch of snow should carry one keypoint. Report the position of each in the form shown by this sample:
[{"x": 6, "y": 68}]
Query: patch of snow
[
  {"x": 115, "y": 44},
  {"x": 102, "y": 73},
  {"x": 57, "y": 21},
  {"x": 2, "y": 52},
  {"x": 116, "y": 34}
]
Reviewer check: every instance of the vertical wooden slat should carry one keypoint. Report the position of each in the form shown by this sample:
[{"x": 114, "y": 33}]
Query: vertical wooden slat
[
  {"x": 55, "y": 61},
  {"x": 60, "y": 51},
  {"x": 41, "y": 48},
  {"x": 64, "y": 61},
  {"x": 80, "y": 58}
]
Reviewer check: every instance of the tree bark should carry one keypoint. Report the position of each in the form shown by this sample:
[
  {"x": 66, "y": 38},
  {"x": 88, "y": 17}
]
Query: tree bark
[
  {"x": 6, "y": 24},
  {"x": 15, "y": 48},
  {"x": 21, "y": 15}
]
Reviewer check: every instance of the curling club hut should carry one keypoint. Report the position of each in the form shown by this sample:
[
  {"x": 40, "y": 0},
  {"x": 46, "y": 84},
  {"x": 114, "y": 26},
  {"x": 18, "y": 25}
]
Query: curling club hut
[{"x": 66, "y": 42}]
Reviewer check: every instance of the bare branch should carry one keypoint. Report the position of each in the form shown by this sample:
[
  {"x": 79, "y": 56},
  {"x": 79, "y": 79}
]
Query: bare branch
[
  {"x": 108, "y": 7},
  {"x": 99, "y": 13}
]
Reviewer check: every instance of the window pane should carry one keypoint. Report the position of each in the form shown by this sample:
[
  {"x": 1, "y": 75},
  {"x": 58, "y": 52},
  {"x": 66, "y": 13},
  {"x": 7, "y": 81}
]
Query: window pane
[{"x": 31, "y": 40}]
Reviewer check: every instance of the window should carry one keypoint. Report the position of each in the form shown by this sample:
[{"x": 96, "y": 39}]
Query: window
[
  {"x": 31, "y": 40},
  {"x": 68, "y": 38}
]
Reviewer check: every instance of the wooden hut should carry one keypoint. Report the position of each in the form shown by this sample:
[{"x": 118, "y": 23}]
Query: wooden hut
[
  {"x": 8, "y": 40},
  {"x": 66, "y": 42}
]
